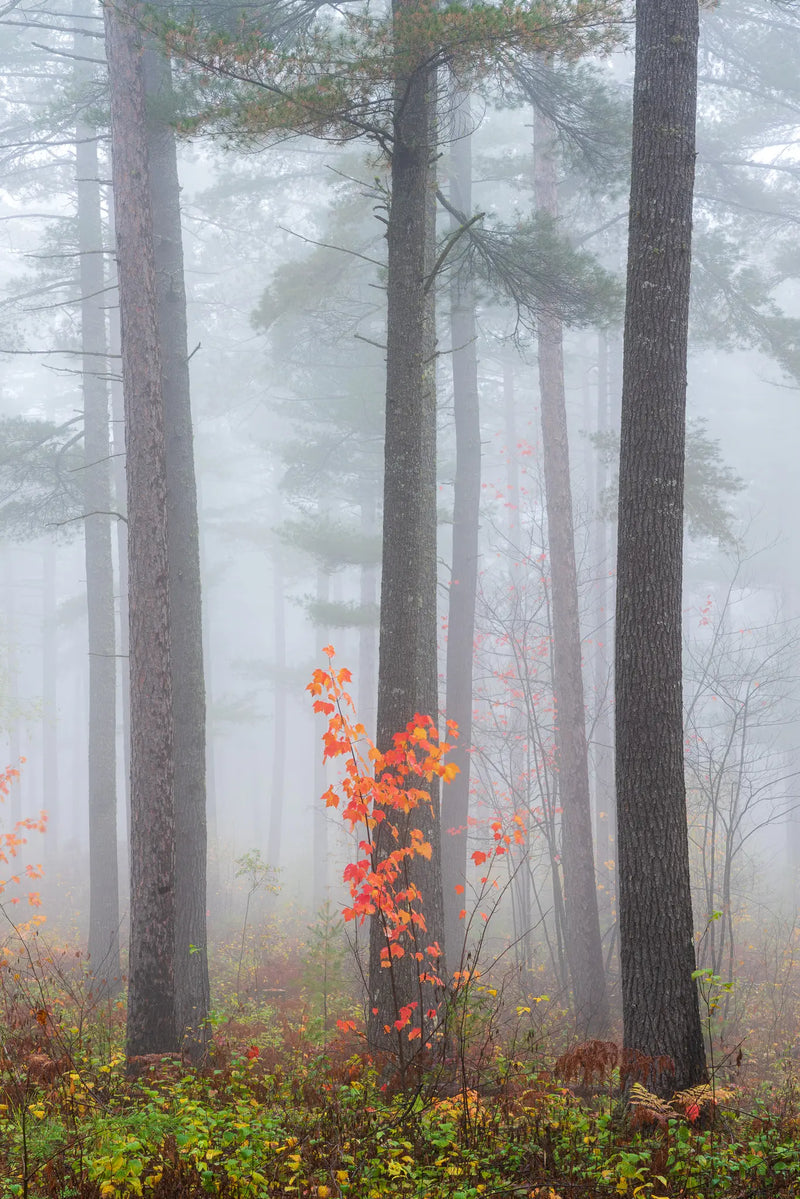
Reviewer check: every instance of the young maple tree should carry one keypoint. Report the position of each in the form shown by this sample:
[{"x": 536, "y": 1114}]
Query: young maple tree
[
  {"x": 12, "y": 842},
  {"x": 378, "y": 790}
]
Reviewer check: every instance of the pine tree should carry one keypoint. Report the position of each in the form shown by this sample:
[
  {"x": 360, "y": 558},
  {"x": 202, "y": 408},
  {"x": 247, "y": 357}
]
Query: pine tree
[
  {"x": 659, "y": 993},
  {"x": 151, "y": 990}
]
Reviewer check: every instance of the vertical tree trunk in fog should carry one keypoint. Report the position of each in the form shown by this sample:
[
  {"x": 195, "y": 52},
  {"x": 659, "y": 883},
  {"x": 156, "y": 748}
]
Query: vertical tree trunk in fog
[
  {"x": 121, "y": 506},
  {"x": 659, "y": 996},
  {"x": 10, "y": 579},
  {"x": 151, "y": 989},
  {"x": 319, "y": 818},
  {"x": 584, "y": 949},
  {"x": 521, "y": 881},
  {"x": 512, "y": 461},
  {"x": 605, "y": 799},
  {"x": 368, "y": 594},
  {"x": 50, "y": 762},
  {"x": 279, "y": 727},
  {"x": 186, "y": 629},
  {"x": 102, "y": 775},
  {"x": 212, "y": 814},
  {"x": 407, "y": 669},
  {"x": 464, "y": 567}
]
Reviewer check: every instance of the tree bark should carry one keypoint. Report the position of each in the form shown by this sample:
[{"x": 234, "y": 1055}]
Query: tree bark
[
  {"x": 464, "y": 567},
  {"x": 104, "y": 920},
  {"x": 192, "y": 996},
  {"x": 407, "y": 670},
  {"x": 151, "y": 989},
  {"x": 659, "y": 996},
  {"x": 583, "y": 945}
]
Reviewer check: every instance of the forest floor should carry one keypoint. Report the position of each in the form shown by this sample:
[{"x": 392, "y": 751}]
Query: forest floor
[{"x": 287, "y": 1103}]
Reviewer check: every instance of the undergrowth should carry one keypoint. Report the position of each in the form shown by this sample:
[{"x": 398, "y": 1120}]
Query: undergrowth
[{"x": 286, "y": 1106}]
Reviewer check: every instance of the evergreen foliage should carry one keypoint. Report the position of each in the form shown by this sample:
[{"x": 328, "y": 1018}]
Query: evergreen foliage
[{"x": 41, "y": 490}]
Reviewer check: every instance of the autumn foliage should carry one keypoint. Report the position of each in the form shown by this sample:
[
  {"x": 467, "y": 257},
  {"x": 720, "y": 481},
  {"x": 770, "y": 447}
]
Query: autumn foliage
[
  {"x": 376, "y": 789},
  {"x": 11, "y": 843}
]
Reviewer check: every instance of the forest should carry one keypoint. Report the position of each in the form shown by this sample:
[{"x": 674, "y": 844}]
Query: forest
[{"x": 399, "y": 599}]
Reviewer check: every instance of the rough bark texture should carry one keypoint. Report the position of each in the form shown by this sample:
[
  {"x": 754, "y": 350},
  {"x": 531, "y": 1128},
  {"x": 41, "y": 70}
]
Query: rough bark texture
[
  {"x": 407, "y": 670},
  {"x": 185, "y": 599},
  {"x": 583, "y": 945},
  {"x": 104, "y": 918},
  {"x": 464, "y": 570},
  {"x": 660, "y": 1004},
  {"x": 151, "y": 989}
]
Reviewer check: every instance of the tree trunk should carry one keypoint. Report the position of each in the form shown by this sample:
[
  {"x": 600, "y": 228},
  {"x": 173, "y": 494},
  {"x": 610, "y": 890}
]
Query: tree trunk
[
  {"x": 151, "y": 990},
  {"x": 368, "y": 592},
  {"x": 584, "y": 949},
  {"x": 50, "y": 763},
  {"x": 212, "y": 812},
  {"x": 104, "y": 917},
  {"x": 186, "y": 627},
  {"x": 514, "y": 507},
  {"x": 279, "y": 727},
  {"x": 12, "y": 633},
  {"x": 464, "y": 570},
  {"x": 659, "y": 996},
  {"x": 119, "y": 476},
  {"x": 605, "y": 799},
  {"x": 407, "y": 670},
  {"x": 319, "y": 819}
]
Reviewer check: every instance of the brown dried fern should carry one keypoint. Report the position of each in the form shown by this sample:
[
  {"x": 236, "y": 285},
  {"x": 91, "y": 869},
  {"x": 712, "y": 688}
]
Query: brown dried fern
[
  {"x": 588, "y": 1058},
  {"x": 647, "y": 1108}
]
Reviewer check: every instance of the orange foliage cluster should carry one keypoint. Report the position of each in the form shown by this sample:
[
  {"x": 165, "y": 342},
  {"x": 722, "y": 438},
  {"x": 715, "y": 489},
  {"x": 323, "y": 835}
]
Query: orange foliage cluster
[
  {"x": 376, "y": 786},
  {"x": 11, "y": 843}
]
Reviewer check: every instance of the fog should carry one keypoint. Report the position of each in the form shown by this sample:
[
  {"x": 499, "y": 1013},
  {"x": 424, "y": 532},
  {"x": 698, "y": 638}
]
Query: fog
[{"x": 286, "y": 277}]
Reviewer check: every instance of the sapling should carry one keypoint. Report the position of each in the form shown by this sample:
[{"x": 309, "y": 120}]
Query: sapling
[{"x": 261, "y": 877}]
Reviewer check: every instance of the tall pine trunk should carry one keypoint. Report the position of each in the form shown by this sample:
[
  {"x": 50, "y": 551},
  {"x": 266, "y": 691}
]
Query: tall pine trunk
[
  {"x": 659, "y": 995},
  {"x": 104, "y": 916},
  {"x": 464, "y": 566},
  {"x": 583, "y": 945},
  {"x": 186, "y": 628},
  {"x": 407, "y": 670},
  {"x": 151, "y": 987}
]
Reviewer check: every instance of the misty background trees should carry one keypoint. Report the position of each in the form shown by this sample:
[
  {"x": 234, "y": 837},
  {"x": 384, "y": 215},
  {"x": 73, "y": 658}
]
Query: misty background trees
[{"x": 295, "y": 320}]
